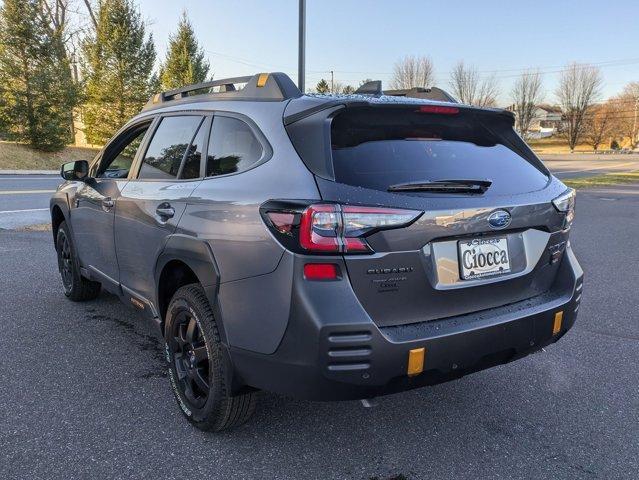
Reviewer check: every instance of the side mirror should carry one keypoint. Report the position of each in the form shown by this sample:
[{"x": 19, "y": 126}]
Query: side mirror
[{"x": 78, "y": 170}]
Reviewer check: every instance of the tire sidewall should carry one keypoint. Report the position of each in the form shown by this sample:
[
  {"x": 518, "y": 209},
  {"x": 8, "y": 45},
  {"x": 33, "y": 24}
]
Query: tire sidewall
[
  {"x": 179, "y": 303},
  {"x": 75, "y": 275}
]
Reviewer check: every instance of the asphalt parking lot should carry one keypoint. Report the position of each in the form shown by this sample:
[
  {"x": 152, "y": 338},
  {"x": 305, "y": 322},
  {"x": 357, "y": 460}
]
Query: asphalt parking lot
[{"x": 84, "y": 392}]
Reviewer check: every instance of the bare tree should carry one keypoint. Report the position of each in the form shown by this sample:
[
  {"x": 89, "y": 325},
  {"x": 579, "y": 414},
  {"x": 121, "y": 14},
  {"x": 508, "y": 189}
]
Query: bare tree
[
  {"x": 627, "y": 112},
  {"x": 526, "y": 94},
  {"x": 598, "y": 124},
  {"x": 470, "y": 88},
  {"x": 412, "y": 71},
  {"x": 579, "y": 88},
  {"x": 87, "y": 3}
]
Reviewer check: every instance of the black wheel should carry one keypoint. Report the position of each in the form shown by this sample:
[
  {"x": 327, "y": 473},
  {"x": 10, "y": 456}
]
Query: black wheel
[
  {"x": 75, "y": 286},
  {"x": 198, "y": 369}
]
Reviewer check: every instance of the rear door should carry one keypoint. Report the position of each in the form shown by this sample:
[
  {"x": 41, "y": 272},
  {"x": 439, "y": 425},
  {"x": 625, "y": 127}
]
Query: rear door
[
  {"x": 471, "y": 249},
  {"x": 92, "y": 215},
  {"x": 151, "y": 204}
]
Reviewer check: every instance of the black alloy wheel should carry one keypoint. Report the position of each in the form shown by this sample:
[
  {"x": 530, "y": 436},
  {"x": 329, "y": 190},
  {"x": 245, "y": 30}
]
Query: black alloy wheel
[
  {"x": 65, "y": 261},
  {"x": 191, "y": 359}
]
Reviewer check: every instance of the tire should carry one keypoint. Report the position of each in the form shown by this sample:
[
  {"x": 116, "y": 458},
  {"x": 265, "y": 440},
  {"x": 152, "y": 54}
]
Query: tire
[
  {"x": 198, "y": 368},
  {"x": 76, "y": 287}
]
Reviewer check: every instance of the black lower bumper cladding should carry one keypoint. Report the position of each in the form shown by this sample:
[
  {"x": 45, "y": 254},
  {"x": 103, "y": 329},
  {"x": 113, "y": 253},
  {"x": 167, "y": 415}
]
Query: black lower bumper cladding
[{"x": 341, "y": 361}]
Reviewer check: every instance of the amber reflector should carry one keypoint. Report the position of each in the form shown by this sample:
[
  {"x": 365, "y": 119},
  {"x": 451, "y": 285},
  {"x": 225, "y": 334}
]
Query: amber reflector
[
  {"x": 416, "y": 361},
  {"x": 556, "y": 326}
]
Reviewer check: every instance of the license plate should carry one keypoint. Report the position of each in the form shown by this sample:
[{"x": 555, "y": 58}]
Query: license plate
[{"x": 483, "y": 257}]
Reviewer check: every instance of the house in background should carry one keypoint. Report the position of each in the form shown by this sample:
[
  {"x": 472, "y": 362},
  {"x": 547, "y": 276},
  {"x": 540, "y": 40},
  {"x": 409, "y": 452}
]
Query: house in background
[{"x": 546, "y": 121}]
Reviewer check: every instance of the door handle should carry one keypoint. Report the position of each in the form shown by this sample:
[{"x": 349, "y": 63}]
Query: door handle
[
  {"x": 165, "y": 211},
  {"x": 107, "y": 204}
]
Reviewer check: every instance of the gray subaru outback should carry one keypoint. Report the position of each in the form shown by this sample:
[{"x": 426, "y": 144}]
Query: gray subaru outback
[{"x": 326, "y": 247}]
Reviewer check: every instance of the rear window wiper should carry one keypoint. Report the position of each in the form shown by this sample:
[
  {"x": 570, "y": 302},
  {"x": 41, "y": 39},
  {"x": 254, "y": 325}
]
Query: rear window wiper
[{"x": 443, "y": 186}]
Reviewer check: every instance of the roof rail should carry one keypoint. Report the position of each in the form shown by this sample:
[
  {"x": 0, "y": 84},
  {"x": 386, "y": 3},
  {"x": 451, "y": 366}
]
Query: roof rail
[
  {"x": 432, "y": 93},
  {"x": 374, "y": 87},
  {"x": 276, "y": 86}
]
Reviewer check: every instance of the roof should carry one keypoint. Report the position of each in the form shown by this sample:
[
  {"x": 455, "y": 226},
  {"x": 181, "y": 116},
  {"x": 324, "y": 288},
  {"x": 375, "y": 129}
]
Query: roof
[{"x": 550, "y": 108}]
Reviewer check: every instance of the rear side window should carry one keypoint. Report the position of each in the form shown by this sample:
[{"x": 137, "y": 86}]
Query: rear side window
[
  {"x": 233, "y": 147},
  {"x": 191, "y": 168},
  {"x": 168, "y": 147},
  {"x": 377, "y": 148}
]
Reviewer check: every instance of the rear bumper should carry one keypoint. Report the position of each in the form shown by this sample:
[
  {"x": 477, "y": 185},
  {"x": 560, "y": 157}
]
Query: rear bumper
[{"x": 332, "y": 351}]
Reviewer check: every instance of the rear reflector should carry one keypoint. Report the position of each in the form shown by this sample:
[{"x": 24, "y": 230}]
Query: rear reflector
[
  {"x": 556, "y": 326},
  {"x": 416, "y": 361},
  {"x": 321, "y": 271},
  {"x": 282, "y": 221},
  {"x": 438, "y": 109}
]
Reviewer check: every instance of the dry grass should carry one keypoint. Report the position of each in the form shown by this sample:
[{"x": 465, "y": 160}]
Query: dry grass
[
  {"x": 602, "y": 180},
  {"x": 16, "y": 156},
  {"x": 554, "y": 145}
]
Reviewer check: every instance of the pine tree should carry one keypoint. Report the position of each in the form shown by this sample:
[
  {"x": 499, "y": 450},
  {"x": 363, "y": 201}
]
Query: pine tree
[
  {"x": 322, "y": 86},
  {"x": 185, "y": 63},
  {"x": 118, "y": 69},
  {"x": 37, "y": 93}
]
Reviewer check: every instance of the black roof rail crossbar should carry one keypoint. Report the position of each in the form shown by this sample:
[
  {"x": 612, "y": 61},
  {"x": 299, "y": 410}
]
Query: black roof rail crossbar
[
  {"x": 370, "y": 88},
  {"x": 225, "y": 82},
  {"x": 432, "y": 93},
  {"x": 274, "y": 86}
]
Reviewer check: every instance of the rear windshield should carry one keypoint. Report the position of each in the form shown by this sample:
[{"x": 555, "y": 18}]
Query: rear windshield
[{"x": 375, "y": 148}]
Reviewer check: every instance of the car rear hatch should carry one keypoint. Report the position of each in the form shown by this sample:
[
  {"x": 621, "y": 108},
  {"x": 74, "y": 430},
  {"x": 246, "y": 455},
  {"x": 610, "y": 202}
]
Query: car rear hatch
[{"x": 486, "y": 232}]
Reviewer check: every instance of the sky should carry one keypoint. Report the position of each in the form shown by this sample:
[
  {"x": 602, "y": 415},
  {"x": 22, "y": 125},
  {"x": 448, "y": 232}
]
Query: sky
[{"x": 363, "y": 39}]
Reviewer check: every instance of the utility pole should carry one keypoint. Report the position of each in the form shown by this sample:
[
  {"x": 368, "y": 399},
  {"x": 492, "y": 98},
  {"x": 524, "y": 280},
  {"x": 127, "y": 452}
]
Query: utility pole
[
  {"x": 634, "y": 125},
  {"x": 301, "y": 57},
  {"x": 332, "y": 82}
]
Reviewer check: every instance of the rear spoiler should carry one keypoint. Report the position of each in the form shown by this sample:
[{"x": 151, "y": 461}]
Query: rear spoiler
[{"x": 387, "y": 101}]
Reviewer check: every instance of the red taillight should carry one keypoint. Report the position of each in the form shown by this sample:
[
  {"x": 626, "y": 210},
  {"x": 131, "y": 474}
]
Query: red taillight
[
  {"x": 319, "y": 228},
  {"x": 321, "y": 271},
  {"x": 439, "y": 109},
  {"x": 337, "y": 228}
]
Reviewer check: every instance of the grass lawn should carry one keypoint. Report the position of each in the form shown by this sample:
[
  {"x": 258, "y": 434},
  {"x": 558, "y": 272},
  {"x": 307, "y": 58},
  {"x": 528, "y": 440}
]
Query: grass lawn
[
  {"x": 16, "y": 156},
  {"x": 556, "y": 144},
  {"x": 603, "y": 180}
]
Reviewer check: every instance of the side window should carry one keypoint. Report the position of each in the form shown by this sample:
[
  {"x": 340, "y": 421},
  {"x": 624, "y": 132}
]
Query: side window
[
  {"x": 232, "y": 148},
  {"x": 118, "y": 158},
  {"x": 168, "y": 147},
  {"x": 191, "y": 168}
]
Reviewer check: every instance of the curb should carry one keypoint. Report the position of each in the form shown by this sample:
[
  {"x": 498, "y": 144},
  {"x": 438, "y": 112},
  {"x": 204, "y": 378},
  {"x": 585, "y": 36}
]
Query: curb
[{"x": 29, "y": 172}]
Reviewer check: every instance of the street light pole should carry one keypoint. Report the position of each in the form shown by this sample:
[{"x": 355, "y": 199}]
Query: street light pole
[
  {"x": 634, "y": 125},
  {"x": 301, "y": 58}
]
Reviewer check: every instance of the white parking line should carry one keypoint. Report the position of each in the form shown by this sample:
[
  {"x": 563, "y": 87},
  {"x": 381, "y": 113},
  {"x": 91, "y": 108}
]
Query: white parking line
[
  {"x": 24, "y": 192},
  {"x": 52, "y": 177},
  {"x": 26, "y": 210}
]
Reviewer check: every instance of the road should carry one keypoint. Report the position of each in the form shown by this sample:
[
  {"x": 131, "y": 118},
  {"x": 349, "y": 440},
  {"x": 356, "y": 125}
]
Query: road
[
  {"x": 84, "y": 392},
  {"x": 586, "y": 165},
  {"x": 24, "y": 199}
]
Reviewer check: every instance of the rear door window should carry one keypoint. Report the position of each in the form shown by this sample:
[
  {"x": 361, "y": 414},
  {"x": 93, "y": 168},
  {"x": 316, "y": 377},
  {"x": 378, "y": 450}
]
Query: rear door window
[
  {"x": 169, "y": 146},
  {"x": 377, "y": 148},
  {"x": 233, "y": 147}
]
